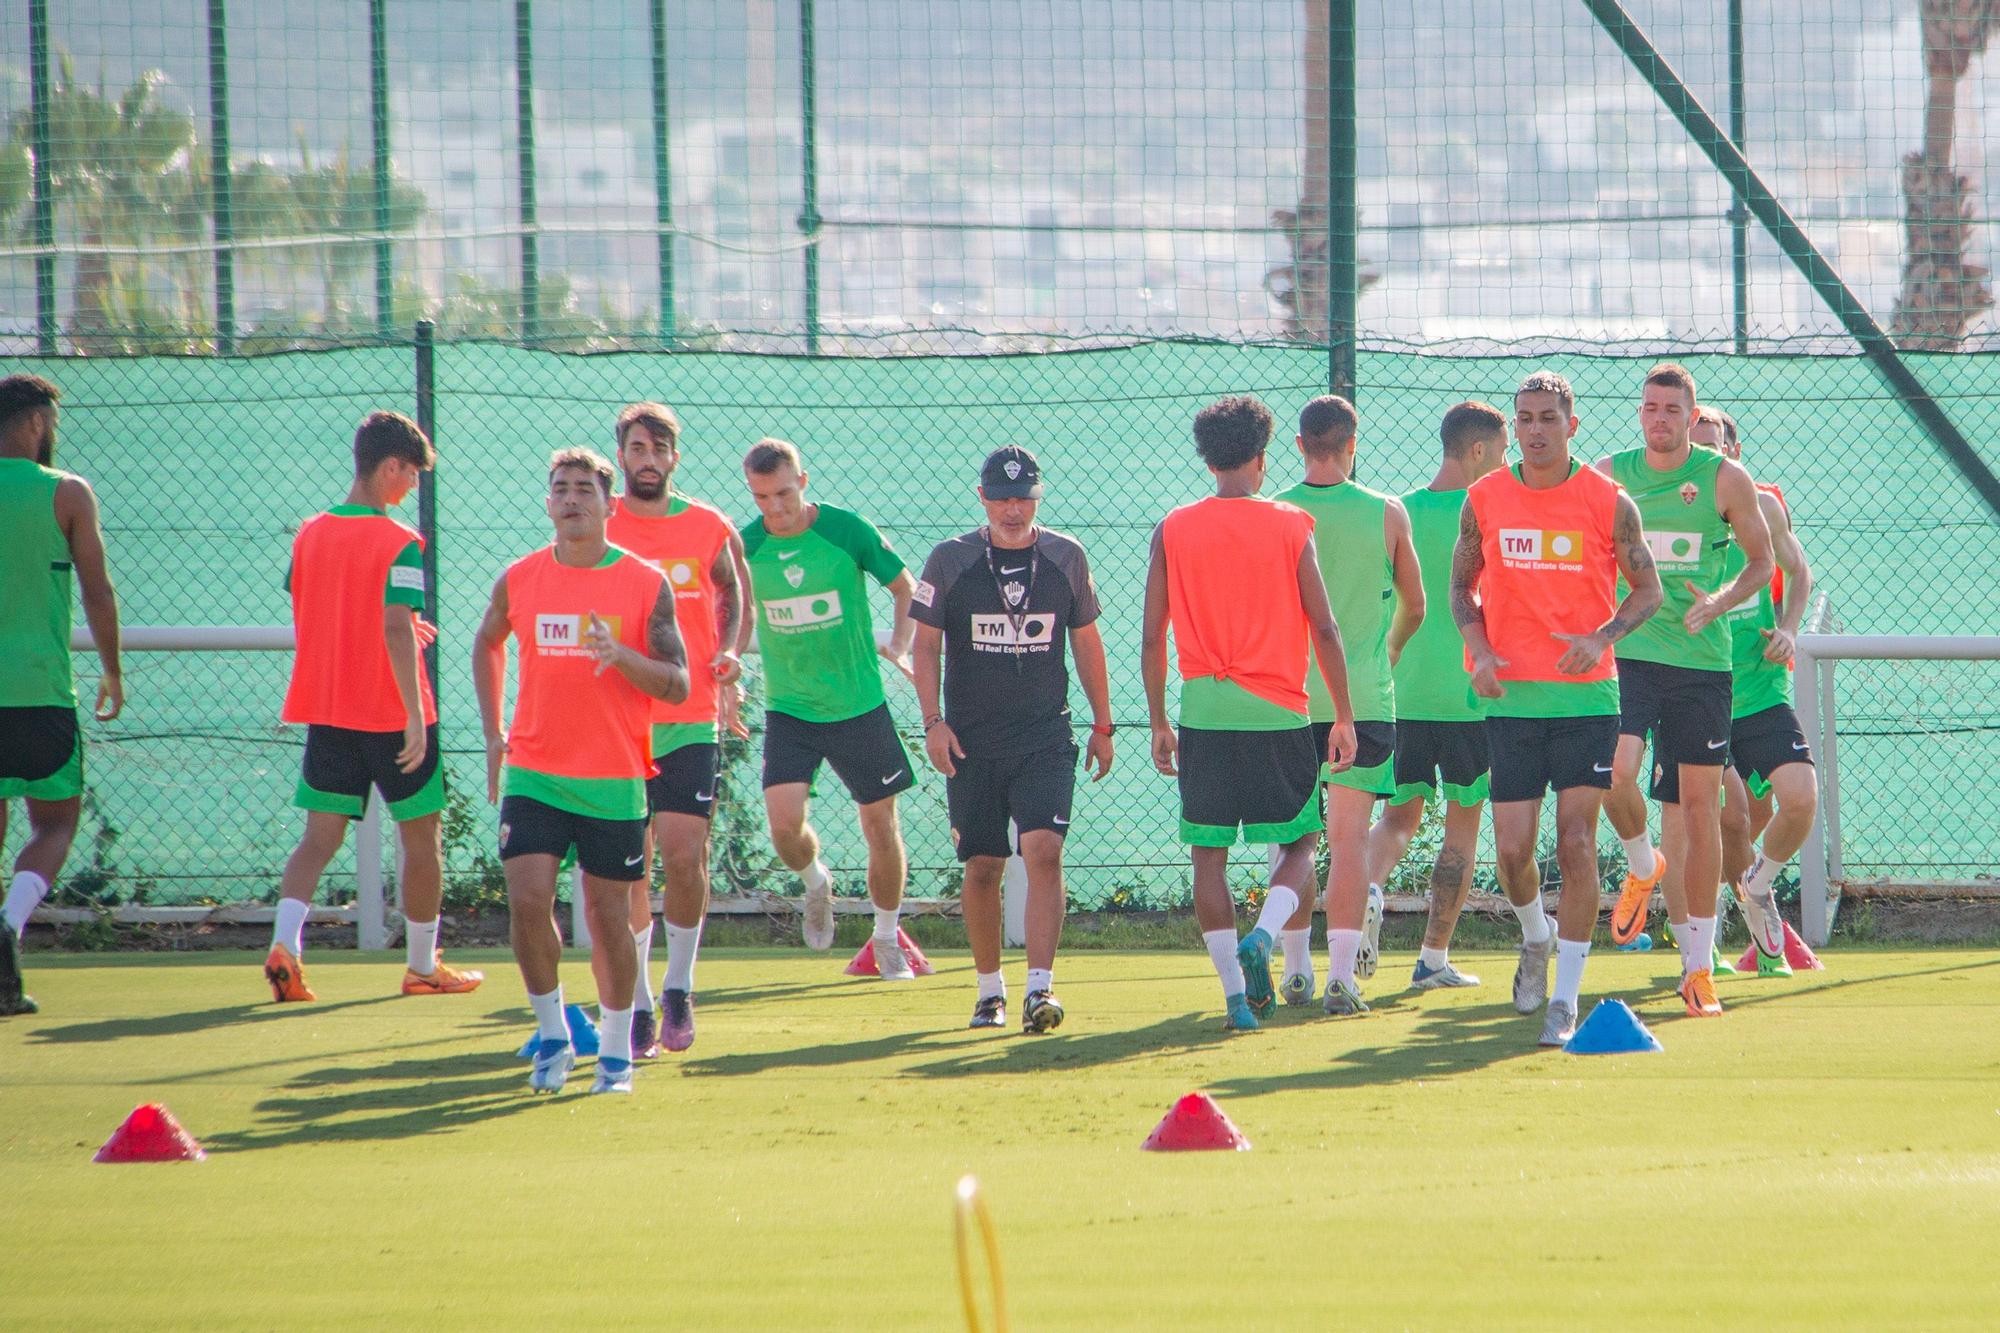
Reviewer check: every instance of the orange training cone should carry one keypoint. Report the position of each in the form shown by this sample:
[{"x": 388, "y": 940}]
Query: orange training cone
[
  {"x": 1196, "y": 1124},
  {"x": 150, "y": 1134},
  {"x": 863, "y": 964}
]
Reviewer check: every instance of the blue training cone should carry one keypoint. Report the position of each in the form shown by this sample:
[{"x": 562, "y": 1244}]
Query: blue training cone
[
  {"x": 1640, "y": 943},
  {"x": 1612, "y": 1029},
  {"x": 582, "y": 1034}
]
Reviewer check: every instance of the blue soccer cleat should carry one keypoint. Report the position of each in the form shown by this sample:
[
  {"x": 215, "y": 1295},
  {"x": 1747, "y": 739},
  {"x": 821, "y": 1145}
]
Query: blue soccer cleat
[
  {"x": 1240, "y": 1018},
  {"x": 554, "y": 1058},
  {"x": 1254, "y": 954},
  {"x": 612, "y": 1076}
]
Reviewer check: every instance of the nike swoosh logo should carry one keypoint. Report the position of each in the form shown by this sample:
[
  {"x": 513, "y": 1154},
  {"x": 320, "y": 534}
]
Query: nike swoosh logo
[
  {"x": 704, "y": 797},
  {"x": 634, "y": 860},
  {"x": 1600, "y": 768},
  {"x": 1015, "y": 570},
  {"x": 1717, "y": 745},
  {"x": 1059, "y": 821},
  {"x": 1798, "y": 745},
  {"x": 892, "y": 777},
  {"x": 788, "y": 555}
]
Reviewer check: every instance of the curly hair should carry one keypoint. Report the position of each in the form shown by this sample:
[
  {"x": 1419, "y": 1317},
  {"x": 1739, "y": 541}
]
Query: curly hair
[{"x": 1231, "y": 432}]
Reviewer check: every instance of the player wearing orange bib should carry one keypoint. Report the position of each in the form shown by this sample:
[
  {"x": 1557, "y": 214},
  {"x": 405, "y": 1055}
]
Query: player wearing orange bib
[
  {"x": 1534, "y": 592},
  {"x": 598, "y": 643},
  {"x": 701, "y": 555},
  {"x": 360, "y": 690}
]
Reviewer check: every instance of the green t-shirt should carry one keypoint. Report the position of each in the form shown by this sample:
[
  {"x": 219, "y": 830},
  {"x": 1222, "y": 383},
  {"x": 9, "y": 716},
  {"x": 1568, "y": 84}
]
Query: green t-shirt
[
  {"x": 405, "y": 585},
  {"x": 34, "y": 590},
  {"x": 1432, "y": 684},
  {"x": 1689, "y": 541},
  {"x": 813, "y": 627},
  {"x": 1361, "y": 588},
  {"x": 1757, "y": 683}
]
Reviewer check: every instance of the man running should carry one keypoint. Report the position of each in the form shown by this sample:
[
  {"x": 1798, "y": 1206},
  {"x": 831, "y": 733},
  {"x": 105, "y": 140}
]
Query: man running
[
  {"x": 992, "y": 610},
  {"x": 598, "y": 642},
  {"x": 360, "y": 690},
  {"x": 1236, "y": 578},
  {"x": 823, "y": 691},
  {"x": 1376, "y": 594},
  {"x": 1440, "y": 722},
  {"x": 1768, "y": 755},
  {"x": 1674, "y": 679},
  {"x": 1533, "y": 590},
  {"x": 50, "y": 518},
  {"x": 698, "y": 550}
]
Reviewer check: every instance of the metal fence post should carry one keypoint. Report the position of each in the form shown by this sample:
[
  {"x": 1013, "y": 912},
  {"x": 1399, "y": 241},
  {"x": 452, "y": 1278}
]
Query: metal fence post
[
  {"x": 219, "y": 183},
  {"x": 809, "y": 216},
  {"x": 1806, "y": 702},
  {"x": 378, "y": 128},
  {"x": 370, "y": 929},
  {"x": 579, "y": 915},
  {"x": 45, "y": 204},
  {"x": 1739, "y": 216},
  {"x": 1342, "y": 277},
  {"x": 1014, "y": 894},
  {"x": 663, "y": 181},
  {"x": 524, "y": 129},
  {"x": 426, "y": 377}
]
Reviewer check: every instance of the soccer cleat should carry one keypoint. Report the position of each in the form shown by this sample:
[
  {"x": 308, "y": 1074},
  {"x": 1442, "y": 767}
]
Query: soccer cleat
[
  {"x": 13, "y": 1000},
  {"x": 1767, "y": 925},
  {"x": 612, "y": 1076},
  {"x": 1559, "y": 1025},
  {"x": 645, "y": 1035},
  {"x": 286, "y": 975},
  {"x": 676, "y": 1019},
  {"x": 990, "y": 1012},
  {"x": 1698, "y": 993},
  {"x": 1635, "y": 900},
  {"x": 1717, "y": 964},
  {"x": 1297, "y": 989},
  {"x": 554, "y": 1058},
  {"x": 444, "y": 979},
  {"x": 1531, "y": 974},
  {"x": 1041, "y": 1012},
  {"x": 891, "y": 963},
  {"x": 1772, "y": 965},
  {"x": 1239, "y": 1017},
  {"x": 1253, "y": 953},
  {"x": 1342, "y": 1000},
  {"x": 816, "y": 920},
  {"x": 1371, "y": 935},
  {"x": 1440, "y": 978}
]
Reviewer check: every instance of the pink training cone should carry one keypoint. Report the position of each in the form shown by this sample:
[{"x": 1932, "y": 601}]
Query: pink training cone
[
  {"x": 1798, "y": 954},
  {"x": 863, "y": 964},
  {"x": 150, "y": 1134},
  {"x": 1196, "y": 1124}
]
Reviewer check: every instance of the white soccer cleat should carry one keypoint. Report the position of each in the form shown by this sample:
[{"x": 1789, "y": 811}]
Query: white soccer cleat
[
  {"x": 816, "y": 921},
  {"x": 1371, "y": 935},
  {"x": 613, "y": 1076},
  {"x": 891, "y": 963},
  {"x": 554, "y": 1058},
  {"x": 1297, "y": 988}
]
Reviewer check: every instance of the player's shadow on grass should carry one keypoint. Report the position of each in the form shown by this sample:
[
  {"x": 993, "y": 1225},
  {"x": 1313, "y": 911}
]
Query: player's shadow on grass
[
  {"x": 1450, "y": 1041},
  {"x": 188, "y": 1021},
  {"x": 1019, "y": 1054},
  {"x": 399, "y": 1100}
]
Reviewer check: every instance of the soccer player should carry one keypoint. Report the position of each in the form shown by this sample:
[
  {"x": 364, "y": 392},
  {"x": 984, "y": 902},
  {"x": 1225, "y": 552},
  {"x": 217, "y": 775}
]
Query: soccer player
[
  {"x": 1534, "y": 592},
  {"x": 698, "y": 550},
  {"x": 50, "y": 521},
  {"x": 992, "y": 610},
  {"x": 1440, "y": 722},
  {"x": 1673, "y": 672},
  {"x": 824, "y": 700},
  {"x": 1768, "y": 754},
  {"x": 360, "y": 690},
  {"x": 1236, "y": 579},
  {"x": 598, "y": 642},
  {"x": 1376, "y": 594}
]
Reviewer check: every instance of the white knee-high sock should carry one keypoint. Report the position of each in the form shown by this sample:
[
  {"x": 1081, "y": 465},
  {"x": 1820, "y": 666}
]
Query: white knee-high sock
[
  {"x": 1222, "y": 952},
  {"x": 642, "y": 994},
  {"x": 289, "y": 928},
  {"x": 23, "y": 896},
  {"x": 682, "y": 944},
  {"x": 1279, "y": 904}
]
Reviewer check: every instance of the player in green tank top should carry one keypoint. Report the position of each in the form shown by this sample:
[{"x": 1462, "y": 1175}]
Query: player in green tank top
[
  {"x": 1376, "y": 591},
  {"x": 52, "y": 532},
  {"x": 1673, "y": 672}
]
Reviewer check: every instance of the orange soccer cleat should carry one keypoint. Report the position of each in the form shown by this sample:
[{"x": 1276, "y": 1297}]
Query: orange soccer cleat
[
  {"x": 444, "y": 979},
  {"x": 1635, "y": 900},
  {"x": 286, "y": 975},
  {"x": 1698, "y": 991}
]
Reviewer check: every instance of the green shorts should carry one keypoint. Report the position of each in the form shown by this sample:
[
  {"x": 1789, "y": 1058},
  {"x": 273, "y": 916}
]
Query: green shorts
[
  {"x": 1261, "y": 786},
  {"x": 1374, "y": 758},
  {"x": 341, "y": 765}
]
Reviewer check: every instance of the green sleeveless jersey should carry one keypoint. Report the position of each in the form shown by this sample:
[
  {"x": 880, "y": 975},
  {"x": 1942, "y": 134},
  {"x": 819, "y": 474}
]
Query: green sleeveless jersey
[
  {"x": 1431, "y": 681},
  {"x": 34, "y": 590},
  {"x": 1360, "y": 586},
  {"x": 1689, "y": 542},
  {"x": 1758, "y": 684}
]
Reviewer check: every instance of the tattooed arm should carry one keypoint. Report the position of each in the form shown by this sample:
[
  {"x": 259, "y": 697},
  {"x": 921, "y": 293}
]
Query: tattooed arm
[
  {"x": 662, "y": 670},
  {"x": 1635, "y": 562},
  {"x": 1468, "y": 562}
]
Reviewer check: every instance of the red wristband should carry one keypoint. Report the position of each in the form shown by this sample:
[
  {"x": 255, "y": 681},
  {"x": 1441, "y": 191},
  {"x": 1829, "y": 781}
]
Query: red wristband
[{"x": 1101, "y": 728}]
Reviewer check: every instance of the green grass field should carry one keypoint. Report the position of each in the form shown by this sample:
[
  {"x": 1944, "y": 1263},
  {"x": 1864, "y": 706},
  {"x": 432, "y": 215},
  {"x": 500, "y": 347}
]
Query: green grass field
[{"x": 1827, "y": 1154}]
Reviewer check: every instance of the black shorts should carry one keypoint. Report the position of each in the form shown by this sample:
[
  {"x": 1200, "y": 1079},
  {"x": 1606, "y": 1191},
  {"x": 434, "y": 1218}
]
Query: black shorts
[
  {"x": 1453, "y": 753},
  {"x": 606, "y": 848},
  {"x": 36, "y": 742},
  {"x": 1529, "y": 756},
  {"x": 1264, "y": 782},
  {"x": 1687, "y": 712},
  {"x": 1764, "y": 742},
  {"x": 1374, "y": 747},
  {"x": 685, "y": 783},
  {"x": 341, "y": 764},
  {"x": 1034, "y": 790},
  {"x": 865, "y": 751}
]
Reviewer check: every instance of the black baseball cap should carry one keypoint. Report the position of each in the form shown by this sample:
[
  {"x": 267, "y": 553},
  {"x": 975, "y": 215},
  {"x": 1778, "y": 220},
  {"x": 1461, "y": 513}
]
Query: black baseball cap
[{"x": 1011, "y": 473}]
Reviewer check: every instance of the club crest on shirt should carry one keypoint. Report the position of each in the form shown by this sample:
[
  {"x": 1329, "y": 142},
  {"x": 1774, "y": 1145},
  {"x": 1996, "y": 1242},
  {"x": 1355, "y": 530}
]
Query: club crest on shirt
[
  {"x": 1015, "y": 592},
  {"x": 1688, "y": 492},
  {"x": 794, "y": 575}
]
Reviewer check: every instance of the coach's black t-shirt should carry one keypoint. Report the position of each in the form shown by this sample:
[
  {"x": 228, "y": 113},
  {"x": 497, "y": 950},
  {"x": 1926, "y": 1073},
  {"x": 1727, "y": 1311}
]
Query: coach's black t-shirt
[{"x": 1006, "y": 677}]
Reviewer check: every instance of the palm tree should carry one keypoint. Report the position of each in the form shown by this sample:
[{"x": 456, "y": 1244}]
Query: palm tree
[{"x": 337, "y": 198}]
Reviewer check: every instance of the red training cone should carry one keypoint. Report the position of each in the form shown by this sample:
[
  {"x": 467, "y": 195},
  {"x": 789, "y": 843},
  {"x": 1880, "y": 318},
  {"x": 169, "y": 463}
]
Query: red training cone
[
  {"x": 1196, "y": 1124},
  {"x": 863, "y": 964},
  {"x": 150, "y": 1134},
  {"x": 1798, "y": 955}
]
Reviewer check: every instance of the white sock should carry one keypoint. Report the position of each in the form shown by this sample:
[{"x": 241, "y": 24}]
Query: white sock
[
  {"x": 642, "y": 994},
  {"x": 1298, "y": 946},
  {"x": 614, "y": 1033},
  {"x": 992, "y": 984},
  {"x": 1041, "y": 978},
  {"x": 1279, "y": 904},
  {"x": 549, "y": 1020},
  {"x": 682, "y": 941},
  {"x": 1534, "y": 921},
  {"x": 1639, "y": 856},
  {"x": 1570, "y": 956},
  {"x": 1342, "y": 948},
  {"x": 1698, "y": 953},
  {"x": 23, "y": 895},
  {"x": 1434, "y": 959},
  {"x": 885, "y": 922},
  {"x": 816, "y": 875},
  {"x": 1761, "y": 875},
  {"x": 289, "y": 929},
  {"x": 420, "y": 942},
  {"x": 1222, "y": 952}
]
